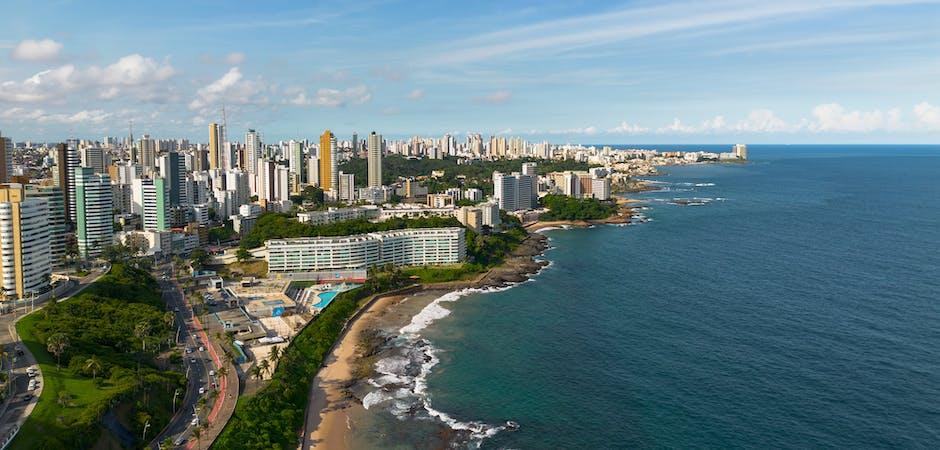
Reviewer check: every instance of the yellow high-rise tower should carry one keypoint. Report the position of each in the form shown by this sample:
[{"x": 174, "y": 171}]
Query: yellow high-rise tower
[
  {"x": 214, "y": 145},
  {"x": 327, "y": 160}
]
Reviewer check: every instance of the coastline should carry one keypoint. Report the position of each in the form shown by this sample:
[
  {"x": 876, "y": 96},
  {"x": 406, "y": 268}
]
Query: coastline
[{"x": 336, "y": 408}]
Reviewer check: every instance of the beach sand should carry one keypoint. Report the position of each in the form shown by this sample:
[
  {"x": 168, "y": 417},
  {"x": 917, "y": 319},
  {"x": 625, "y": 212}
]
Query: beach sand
[{"x": 333, "y": 415}]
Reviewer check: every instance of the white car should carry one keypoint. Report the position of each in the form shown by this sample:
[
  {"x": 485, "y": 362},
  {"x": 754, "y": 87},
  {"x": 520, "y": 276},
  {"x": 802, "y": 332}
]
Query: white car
[
  {"x": 194, "y": 422},
  {"x": 202, "y": 390},
  {"x": 211, "y": 373},
  {"x": 202, "y": 349}
]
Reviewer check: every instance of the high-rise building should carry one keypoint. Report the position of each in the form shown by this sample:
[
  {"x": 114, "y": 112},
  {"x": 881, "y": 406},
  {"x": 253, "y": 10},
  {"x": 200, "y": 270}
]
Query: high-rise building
[
  {"x": 66, "y": 160},
  {"x": 295, "y": 158},
  {"x": 375, "y": 159},
  {"x": 6, "y": 158},
  {"x": 513, "y": 192},
  {"x": 173, "y": 175},
  {"x": 94, "y": 219},
  {"x": 58, "y": 219},
  {"x": 328, "y": 174},
  {"x": 25, "y": 264},
  {"x": 252, "y": 151},
  {"x": 95, "y": 157},
  {"x": 740, "y": 150},
  {"x": 148, "y": 152},
  {"x": 215, "y": 146},
  {"x": 355, "y": 144},
  {"x": 347, "y": 187},
  {"x": 313, "y": 169}
]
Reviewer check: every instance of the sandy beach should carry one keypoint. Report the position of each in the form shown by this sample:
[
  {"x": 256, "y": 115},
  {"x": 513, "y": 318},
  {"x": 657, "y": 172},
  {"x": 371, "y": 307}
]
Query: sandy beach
[{"x": 334, "y": 412}]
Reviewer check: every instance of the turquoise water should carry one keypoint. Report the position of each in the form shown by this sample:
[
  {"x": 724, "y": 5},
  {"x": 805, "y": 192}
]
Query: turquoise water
[
  {"x": 325, "y": 299},
  {"x": 798, "y": 308}
]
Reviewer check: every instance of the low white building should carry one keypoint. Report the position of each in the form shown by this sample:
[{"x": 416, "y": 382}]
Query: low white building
[
  {"x": 416, "y": 246},
  {"x": 338, "y": 215}
]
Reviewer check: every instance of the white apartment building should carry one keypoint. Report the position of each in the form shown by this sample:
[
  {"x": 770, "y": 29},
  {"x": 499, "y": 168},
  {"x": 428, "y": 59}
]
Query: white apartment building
[
  {"x": 94, "y": 217},
  {"x": 338, "y": 215},
  {"x": 514, "y": 192},
  {"x": 418, "y": 246},
  {"x": 25, "y": 258}
]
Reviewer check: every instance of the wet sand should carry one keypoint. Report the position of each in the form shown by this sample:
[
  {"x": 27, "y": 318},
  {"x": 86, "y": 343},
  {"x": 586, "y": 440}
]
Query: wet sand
[{"x": 334, "y": 413}]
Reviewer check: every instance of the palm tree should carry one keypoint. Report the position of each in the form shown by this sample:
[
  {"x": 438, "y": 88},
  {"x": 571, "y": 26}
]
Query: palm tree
[
  {"x": 255, "y": 372},
  {"x": 169, "y": 318},
  {"x": 4, "y": 354},
  {"x": 222, "y": 372},
  {"x": 56, "y": 344},
  {"x": 275, "y": 354},
  {"x": 94, "y": 365},
  {"x": 264, "y": 365},
  {"x": 141, "y": 330},
  {"x": 198, "y": 433}
]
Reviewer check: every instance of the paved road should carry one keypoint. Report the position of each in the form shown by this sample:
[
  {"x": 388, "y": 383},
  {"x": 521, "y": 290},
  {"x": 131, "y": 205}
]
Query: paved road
[
  {"x": 190, "y": 336},
  {"x": 15, "y": 410}
]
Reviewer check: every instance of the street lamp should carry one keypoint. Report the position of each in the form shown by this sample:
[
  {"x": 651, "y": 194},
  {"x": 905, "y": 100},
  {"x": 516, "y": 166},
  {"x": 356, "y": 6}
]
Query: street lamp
[{"x": 146, "y": 425}]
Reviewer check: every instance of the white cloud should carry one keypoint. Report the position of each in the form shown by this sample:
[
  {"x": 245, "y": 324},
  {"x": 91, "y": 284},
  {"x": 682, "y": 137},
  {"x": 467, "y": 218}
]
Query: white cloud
[
  {"x": 416, "y": 94},
  {"x": 590, "y": 131},
  {"x": 764, "y": 121},
  {"x": 833, "y": 117},
  {"x": 36, "y": 50},
  {"x": 235, "y": 58},
  {"x": 496, "y": 98},
  {"x": 139, "y": 76},
  {"x": 676, "y": 127},
  {"x": 300, "y": 99},
  {"x": 334, "y": 98},
  {"x": 95, "y": 116},
  {"x": 928, "y": 116},
  {"x": 627, "y": 128},
  {"x": 230, "y": 88}
]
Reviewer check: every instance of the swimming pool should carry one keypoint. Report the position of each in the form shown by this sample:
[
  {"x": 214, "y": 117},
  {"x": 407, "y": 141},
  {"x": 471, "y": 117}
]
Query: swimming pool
[{"x": 325, "y": 299}]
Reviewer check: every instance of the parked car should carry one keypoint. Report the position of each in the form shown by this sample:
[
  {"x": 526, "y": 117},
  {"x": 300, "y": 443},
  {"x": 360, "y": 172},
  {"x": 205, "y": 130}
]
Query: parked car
[{"x": 202, "y": 390}]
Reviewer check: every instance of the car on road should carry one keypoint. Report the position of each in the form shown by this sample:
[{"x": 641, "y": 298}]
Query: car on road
[
  {"x": 32, "y": 385},
  {"x": 176, "y": 309},
  {"x": 194, "y": 422},
  {"x": 27, "y": 397},
  {"x": 211, "y": 373},
  {"x": 189, "y": 350},
  {"x": 202, "y": 349},
  {"x": 31, "y": 372},
  {"x": 192, "y": 360},
  {"x": 202, "y": 390}
]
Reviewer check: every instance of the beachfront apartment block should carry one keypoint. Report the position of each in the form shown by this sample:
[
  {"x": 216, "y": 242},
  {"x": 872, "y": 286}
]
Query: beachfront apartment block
[{"x": 409, "y": 247}]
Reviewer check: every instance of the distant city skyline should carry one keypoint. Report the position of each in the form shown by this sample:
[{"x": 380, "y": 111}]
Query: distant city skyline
[{"x": 592, "y": 73}]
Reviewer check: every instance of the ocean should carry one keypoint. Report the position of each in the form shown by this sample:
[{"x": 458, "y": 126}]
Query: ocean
[{"x": 797, "y": 306}]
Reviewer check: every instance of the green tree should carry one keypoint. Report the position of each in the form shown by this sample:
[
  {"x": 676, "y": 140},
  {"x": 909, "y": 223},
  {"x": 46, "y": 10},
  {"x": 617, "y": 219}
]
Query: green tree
[
  {"x": 198, "y": 259},
  {"x": 94, "y": 365},
  {"x": 141, "y": 331},
  {"x": 56, "y": 344}
]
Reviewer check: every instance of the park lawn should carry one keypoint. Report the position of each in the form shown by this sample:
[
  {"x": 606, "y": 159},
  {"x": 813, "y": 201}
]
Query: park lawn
[
  {"x": 48, "y": 417},
  {"x": 444, "y": 273}
]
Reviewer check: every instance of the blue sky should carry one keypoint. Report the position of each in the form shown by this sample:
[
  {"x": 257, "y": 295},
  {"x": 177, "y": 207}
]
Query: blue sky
[{"x": 865, "y": 71}]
